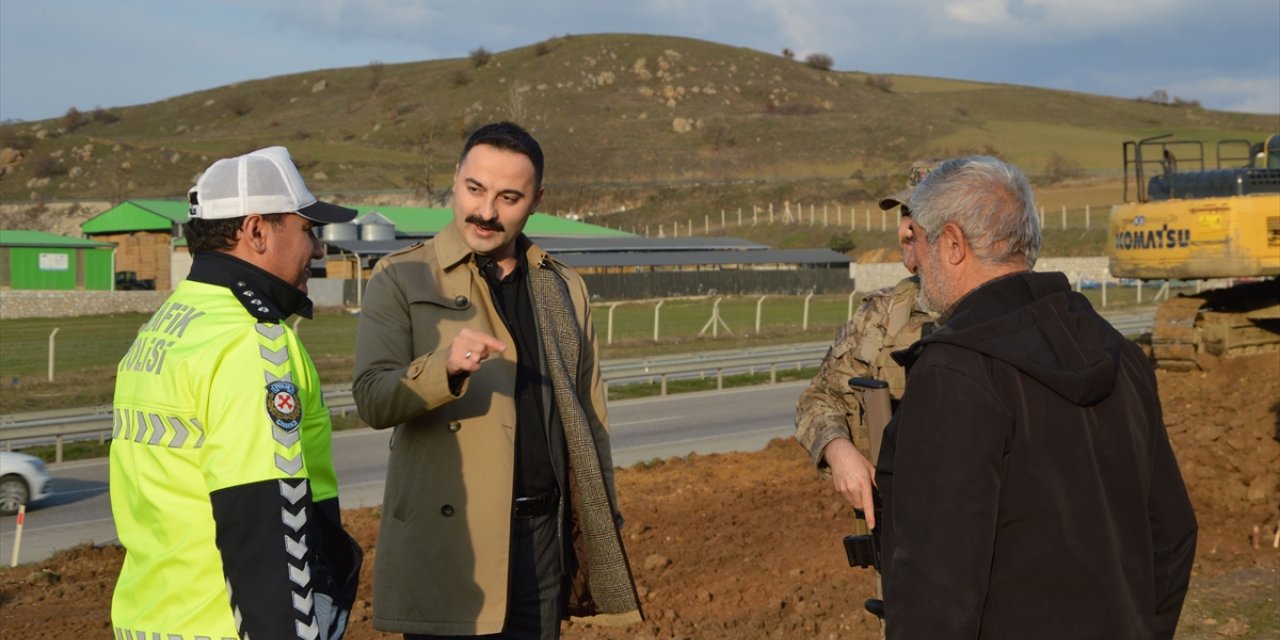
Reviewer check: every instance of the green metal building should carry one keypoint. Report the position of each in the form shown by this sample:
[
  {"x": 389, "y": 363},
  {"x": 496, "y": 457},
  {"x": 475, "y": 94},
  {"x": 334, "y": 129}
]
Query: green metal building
[
  {"x": 133, "y": 216},
  {"x": 43, "y": 261},
  {"x": 143, "y": 232}
]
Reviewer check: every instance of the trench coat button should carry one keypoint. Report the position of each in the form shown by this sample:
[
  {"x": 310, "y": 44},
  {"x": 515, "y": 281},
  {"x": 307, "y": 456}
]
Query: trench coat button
[
  {"x": 455, "y": 426},
  {"x": 460, "y": 301},
  {"x": 447, "y": 511}
]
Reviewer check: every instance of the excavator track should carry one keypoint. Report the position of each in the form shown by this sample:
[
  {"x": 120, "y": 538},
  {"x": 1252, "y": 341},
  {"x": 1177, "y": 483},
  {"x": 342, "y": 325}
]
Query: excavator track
[{"x": 1223, "y": 323}]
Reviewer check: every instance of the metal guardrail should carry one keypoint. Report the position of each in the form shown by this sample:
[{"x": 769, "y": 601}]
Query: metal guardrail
[{"x": 61, "y": 423}]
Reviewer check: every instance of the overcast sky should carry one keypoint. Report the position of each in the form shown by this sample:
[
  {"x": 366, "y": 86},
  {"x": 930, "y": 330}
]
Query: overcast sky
[{"x": 55, "y": 54}]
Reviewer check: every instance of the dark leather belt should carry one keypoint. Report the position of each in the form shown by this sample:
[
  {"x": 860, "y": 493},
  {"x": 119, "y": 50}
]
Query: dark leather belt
[{"x": 534, "y": 506}]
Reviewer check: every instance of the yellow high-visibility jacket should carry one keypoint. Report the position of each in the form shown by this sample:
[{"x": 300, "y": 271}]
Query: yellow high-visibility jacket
[{"x": 222, "y": 481}]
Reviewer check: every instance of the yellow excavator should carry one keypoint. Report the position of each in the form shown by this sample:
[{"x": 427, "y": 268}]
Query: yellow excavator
[{"x": 1191, "y": 222}]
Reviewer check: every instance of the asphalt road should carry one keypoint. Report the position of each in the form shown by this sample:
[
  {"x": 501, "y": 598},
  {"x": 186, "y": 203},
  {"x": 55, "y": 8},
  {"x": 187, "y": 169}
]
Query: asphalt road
[{"x": 741, "y": 419}]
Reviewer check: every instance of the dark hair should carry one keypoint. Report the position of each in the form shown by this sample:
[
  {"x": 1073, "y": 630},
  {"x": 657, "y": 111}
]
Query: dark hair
[
  {"x": 508, "y": 136},
  {"x": 219, "y": 235}
]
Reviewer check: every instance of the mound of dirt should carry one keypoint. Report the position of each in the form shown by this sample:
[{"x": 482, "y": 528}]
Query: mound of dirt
[{"x": 747, "y": 545}]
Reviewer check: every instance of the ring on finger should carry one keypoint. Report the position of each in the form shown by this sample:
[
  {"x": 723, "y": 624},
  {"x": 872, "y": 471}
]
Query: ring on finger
[{"x": 467, "y": 355}]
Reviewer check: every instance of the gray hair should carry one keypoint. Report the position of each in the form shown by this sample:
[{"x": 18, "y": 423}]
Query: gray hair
[{"x": 990, "y": 200}]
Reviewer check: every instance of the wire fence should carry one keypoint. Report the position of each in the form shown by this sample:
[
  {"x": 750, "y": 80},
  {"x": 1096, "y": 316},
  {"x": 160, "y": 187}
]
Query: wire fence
[{"x": 835, "y": 215}]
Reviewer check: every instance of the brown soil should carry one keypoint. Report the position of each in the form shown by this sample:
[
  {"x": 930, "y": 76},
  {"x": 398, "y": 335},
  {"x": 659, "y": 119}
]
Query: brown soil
[{"x": 748, "y": 545}]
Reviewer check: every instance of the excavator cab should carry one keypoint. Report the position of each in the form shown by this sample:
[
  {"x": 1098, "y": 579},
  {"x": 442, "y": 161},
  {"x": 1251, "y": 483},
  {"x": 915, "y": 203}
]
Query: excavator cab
[{"x": 1219, "y": 224}]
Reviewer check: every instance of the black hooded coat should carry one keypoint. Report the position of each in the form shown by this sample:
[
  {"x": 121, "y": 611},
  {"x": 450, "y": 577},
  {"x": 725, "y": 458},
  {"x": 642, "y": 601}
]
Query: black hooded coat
[{"x": 1029, "y": 487}]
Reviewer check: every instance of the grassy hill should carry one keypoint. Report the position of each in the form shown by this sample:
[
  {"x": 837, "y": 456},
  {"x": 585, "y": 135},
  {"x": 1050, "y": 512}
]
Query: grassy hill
[{"x": 638, "y": 130}]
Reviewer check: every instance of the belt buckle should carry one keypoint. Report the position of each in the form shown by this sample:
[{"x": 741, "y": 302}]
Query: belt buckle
[{"x": 534, "y": 506}]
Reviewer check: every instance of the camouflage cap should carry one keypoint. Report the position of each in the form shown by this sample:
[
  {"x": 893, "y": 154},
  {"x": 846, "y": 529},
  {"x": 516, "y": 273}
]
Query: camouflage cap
[{"x": 919, "y": 169}]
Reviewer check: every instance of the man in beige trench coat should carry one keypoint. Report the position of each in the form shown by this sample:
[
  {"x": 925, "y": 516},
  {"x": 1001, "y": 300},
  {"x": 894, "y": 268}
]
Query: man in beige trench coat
[{"x": 500, "y": 517}]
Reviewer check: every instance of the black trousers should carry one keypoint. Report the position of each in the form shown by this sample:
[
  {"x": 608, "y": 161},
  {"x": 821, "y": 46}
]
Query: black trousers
[{"x": 535, "y": 593}]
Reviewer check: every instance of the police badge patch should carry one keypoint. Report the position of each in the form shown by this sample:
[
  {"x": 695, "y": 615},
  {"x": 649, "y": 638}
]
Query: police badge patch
[{"x": 283, "y": 405}]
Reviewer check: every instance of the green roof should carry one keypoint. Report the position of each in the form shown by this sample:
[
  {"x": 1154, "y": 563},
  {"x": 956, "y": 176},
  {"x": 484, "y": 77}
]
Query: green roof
[
  {"x": 420, "y": 221},
  {"x": 161, "y": 215},
  {"x": 137, "y": 215},
  {"x": 15, "y": 238}
]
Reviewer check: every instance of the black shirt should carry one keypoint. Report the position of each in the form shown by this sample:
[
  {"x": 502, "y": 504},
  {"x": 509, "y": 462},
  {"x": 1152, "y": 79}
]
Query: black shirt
[{"x": 535, "y": 474}]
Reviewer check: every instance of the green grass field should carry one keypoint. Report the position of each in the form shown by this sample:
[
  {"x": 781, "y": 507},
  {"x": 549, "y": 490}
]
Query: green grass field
[{"x": 88, "y": 348}]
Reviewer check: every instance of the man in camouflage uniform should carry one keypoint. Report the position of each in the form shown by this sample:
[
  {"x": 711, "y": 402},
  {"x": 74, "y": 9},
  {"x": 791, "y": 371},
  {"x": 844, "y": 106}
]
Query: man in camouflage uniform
[{"x": 829, "y": 414}]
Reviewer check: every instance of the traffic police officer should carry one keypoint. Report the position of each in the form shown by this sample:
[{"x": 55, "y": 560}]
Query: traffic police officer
[{"x": 222, "y": 481}]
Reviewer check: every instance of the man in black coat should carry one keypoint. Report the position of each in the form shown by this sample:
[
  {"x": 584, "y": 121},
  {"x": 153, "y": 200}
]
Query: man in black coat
[{"x": 1029, "y": 487}]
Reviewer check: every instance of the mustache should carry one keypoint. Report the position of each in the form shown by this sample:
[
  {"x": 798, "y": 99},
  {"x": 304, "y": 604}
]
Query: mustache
[{"x": 488, "y": 225}]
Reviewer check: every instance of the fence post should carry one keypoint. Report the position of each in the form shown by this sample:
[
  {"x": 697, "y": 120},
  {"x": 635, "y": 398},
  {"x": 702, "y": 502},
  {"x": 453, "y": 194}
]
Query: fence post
[
  {"x": 657, "y": 309},
  {"x": 759, "y": 306},
  {"x": 851, "y": 295},
  {"x": 883, "y": 221},
  {"x": 299, "y": 319},
  {"x": 866, "y": 215},
  {"x": 613, "y": 306},
  {"x": 1064, "y": 217},
  {"x": 1104, "y": 291},
  {"x": 51, "y": 350},
  {"x": 805, "y": 324},
  {"x": 1086, "y": 217},
  {"x": 1139, "y": 292}
]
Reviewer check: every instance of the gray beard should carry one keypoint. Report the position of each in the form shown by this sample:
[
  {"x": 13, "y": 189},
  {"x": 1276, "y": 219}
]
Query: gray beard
[{"x": 935, "y": 293}]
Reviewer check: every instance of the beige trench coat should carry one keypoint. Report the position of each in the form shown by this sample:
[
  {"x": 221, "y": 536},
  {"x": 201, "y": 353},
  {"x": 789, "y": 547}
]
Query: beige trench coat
[{"x": 443, "y": 544}]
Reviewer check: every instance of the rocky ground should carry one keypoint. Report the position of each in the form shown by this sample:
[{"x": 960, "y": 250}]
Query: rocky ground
[{"x": 748, "y": 545}]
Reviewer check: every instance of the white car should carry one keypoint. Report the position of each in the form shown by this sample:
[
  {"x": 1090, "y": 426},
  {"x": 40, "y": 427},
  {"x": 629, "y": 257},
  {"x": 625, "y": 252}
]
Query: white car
[{"x": 23, "y": 479}]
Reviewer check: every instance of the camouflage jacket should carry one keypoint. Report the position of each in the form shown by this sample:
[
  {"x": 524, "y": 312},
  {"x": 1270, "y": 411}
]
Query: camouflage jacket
[{"x": 888, "y": 320}]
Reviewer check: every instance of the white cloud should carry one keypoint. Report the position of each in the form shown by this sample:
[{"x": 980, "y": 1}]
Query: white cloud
[
  {"x": 1248, "y": 94},
  {"x": 810, "y": 25},
  {"x": 978, "y": 12},
  {"x": 1105, "y": 14}
]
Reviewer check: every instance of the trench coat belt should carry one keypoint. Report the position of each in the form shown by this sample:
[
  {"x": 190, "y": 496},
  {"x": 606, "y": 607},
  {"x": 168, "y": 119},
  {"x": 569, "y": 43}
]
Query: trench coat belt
[{"x": 534, "y": 506}]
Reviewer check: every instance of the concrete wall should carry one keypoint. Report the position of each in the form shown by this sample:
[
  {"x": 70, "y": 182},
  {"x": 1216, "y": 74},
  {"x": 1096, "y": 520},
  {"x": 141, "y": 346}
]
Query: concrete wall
[
  {"x": 65, "y": 304},
  {"x": 324, "y": 292}
]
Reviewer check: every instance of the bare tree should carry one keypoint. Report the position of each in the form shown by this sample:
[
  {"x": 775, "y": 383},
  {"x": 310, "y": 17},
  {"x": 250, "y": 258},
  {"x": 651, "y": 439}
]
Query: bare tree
[
  {"x": 376, "y": 70},
  {"x": 516, "y": 101},
  {"x": 819, "y": 61},
  {"x": 424, "y": 140}
]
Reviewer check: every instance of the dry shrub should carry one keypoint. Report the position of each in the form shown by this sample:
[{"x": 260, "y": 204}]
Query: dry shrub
[
  {"x": 880, "y": 81},
  {"x": 73, "y": 119},
  {"x": 819, "y": 61},
  {"x": 480, "y": 57},
  {"x": 47, "y": 167}
]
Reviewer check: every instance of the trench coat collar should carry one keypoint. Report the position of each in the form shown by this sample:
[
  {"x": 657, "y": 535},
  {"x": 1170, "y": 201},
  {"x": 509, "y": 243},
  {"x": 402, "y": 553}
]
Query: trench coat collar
[{"x": 452, "y": 251}]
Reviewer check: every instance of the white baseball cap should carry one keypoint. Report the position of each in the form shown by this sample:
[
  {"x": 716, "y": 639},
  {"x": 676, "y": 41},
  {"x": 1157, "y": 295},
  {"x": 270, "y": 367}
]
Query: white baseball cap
[{"x": 263, "y": 182}]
